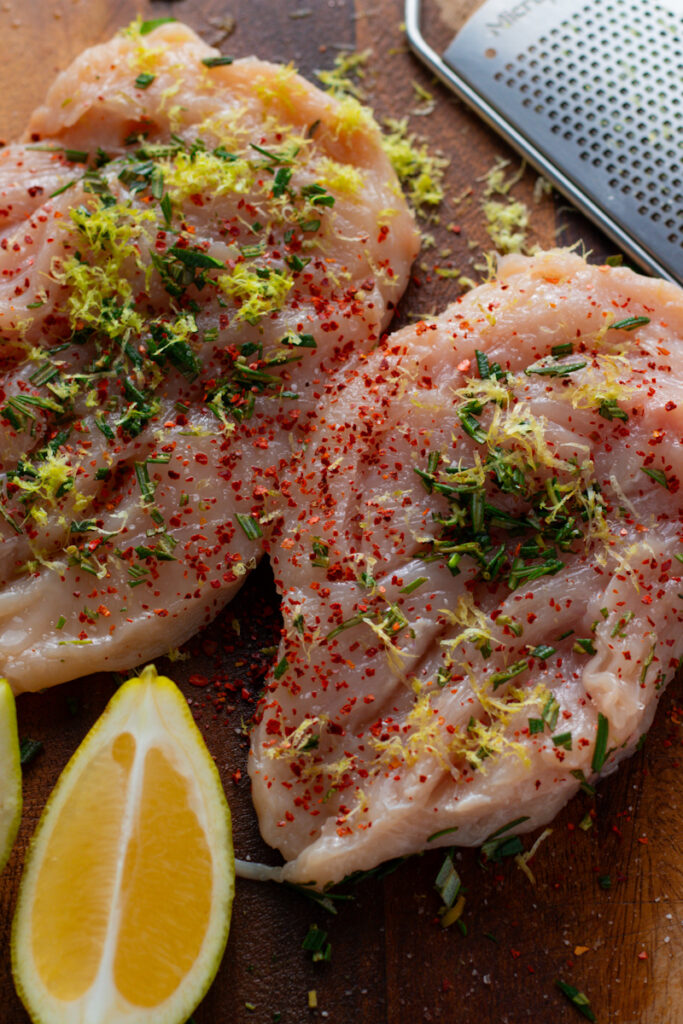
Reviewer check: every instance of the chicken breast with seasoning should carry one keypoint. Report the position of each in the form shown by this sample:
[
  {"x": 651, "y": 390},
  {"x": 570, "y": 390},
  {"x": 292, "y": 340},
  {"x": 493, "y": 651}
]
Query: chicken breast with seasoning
[
  {"x": 188, "y": 245},
  {"x": 482, "y": 600}
]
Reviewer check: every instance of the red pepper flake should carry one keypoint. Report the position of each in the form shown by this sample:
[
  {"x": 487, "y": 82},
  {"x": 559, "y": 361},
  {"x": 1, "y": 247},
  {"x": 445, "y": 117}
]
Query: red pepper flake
[
  {"x": 196, "y": 679},
  {"x": 642, "y": 955}
]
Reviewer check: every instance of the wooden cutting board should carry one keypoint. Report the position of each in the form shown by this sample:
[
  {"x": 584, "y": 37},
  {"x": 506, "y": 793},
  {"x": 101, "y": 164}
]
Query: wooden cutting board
[{"x": 391, "y": 963}]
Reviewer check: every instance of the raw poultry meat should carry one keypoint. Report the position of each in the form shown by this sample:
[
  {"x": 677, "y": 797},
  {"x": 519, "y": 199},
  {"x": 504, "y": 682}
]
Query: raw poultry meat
[
  {"x": 479, "y": 551},
  {"x": 187, "y": 245}
]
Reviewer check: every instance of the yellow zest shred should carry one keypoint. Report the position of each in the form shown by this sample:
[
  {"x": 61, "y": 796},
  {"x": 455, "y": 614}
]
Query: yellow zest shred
[
  {"x": 293, "y": 746},
  {"x": 507, "y": 224},
  {"x": 258, "y": 295},
  {"x": 475, "y": 625},
  {"x": 205, "y": 173},
  {"x": 281, "y": 86},
  {"x": 338, "y": 177},
  {"x": 351, "y": 117},
  {"x": 339, "y": 81},
  {"x": 419, "y": 171}
]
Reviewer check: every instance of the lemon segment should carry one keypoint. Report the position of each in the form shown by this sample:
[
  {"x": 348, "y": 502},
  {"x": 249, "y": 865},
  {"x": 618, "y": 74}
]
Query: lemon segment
[
  {"x": 10, "y": 773},
  {"x": 124, "y": 906}
]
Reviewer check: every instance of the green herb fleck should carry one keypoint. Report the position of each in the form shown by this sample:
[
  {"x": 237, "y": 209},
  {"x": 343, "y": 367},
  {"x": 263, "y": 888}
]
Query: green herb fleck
[
  {"x": 600, "y": 749},
  {"x": 148, "y": 26},
  {"x": 447, "y": 882},
  {"x": 28, "y": 750},
  {"x": 251, "y": 526},
  {"x": 630, "y": 323},
  {"x": 280, "y": 668},
  {"x": 442, "y": 832},
  {"x": 657, "y": 475},
  {"x": 576, "y": 998},
  {"x": 144, "y": 80},
  {"x": 217, "y": 62},
  {"x": 315, "y": 942}
]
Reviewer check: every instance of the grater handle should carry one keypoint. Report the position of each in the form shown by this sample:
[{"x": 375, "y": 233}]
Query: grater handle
[{"x": 518, "y": 141}]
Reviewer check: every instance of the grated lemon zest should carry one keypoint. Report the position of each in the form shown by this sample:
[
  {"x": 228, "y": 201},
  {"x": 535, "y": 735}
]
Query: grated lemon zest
[{"x": 257, "y": 295}]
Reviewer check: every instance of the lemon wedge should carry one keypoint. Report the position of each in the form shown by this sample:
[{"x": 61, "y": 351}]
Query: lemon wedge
[
  {"x": 124, "y": 904},
  {"x": 10, "y": 773}
]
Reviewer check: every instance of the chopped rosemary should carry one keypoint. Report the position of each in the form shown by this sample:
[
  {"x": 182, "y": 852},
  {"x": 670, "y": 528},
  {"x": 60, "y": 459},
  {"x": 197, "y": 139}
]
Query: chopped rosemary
[
  {"x": 550, "y": 712},
  {"x": 315, "y": 942},
  {"x": 280, "y": 669},
  {"x": 498, "y": 678},
  {"x": 609, "y": 409},
  {"x": 320, "y": 555},
  {"x": 144, "y": 80},
  {"x": 630, "y": 323},
  {"x": 600, "y": 748},
  {"x": 442, "y": 832},
  {"x": 217, "y": 62},
  {"x": 148, "y": 26},
  {"x": 499, "y": 845},
  {"x": 576, "y": 998},
  {"x": 542, "y": 652},
  {"x": 447, "y": 882},
  {"x": 195, "y": 258},
  {"x": 63, "y": 188},
  {"x": 413, "y": 585},
  {"x": 28, "y": 750},
  {"x": 554, "y": 369},
  {"x": 657, "y": 475},
  {"x": 585, "y": 786},
  {"x": 249, "y": 525},
  {"x": 621, "y": 625},
  {"x": 563, "y": 739}
]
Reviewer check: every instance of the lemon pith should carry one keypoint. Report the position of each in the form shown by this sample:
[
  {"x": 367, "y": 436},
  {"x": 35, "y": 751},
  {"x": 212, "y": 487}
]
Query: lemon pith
[{"x": 124, "y": 905}]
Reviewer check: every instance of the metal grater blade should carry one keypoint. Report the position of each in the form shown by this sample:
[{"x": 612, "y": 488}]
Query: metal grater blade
[{"x": 591, "y": 92}]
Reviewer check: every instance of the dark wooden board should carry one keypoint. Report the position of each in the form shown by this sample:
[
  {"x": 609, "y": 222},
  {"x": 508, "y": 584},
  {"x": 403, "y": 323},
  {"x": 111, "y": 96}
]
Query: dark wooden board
[{"x": 392, "y": 963}]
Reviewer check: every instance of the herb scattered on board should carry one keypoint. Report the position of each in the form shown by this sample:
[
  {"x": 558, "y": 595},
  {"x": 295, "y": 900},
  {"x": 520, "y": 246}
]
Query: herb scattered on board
[
  {"x": 315, "y": 942},
  {"x": 28, "y": 751},
  {"x": 576, "y": 998}
]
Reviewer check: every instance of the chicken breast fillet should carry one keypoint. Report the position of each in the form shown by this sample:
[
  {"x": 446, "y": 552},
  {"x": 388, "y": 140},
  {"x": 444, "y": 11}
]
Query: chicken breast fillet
[
  {"x": 479, "y": 552},
  {"x": 187, "y": 247}
]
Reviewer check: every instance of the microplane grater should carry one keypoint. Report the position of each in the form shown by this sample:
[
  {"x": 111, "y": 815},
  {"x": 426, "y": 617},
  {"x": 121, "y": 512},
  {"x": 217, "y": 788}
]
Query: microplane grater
[{"x": 591, "y": 93}]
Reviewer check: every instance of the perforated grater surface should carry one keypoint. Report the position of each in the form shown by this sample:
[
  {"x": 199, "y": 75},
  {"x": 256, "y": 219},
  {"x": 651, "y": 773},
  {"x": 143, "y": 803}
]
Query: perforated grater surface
[{"x": 591, "y": 93}]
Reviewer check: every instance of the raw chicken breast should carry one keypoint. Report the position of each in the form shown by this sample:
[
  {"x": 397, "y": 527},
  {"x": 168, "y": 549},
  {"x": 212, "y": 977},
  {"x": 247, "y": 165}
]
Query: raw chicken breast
[
  {"x": 186, "y": 247},
  {"x": 479, "y": 552}
]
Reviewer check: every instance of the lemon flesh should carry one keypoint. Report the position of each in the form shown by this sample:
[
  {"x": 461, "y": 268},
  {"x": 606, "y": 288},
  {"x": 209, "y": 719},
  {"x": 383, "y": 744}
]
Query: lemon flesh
[
  {"x": 10, "y": 773},
  {"x": 124, "y": 906}
]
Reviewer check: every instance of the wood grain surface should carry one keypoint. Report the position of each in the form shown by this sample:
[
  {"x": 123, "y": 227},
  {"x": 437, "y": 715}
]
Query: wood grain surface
[{"x": 392, "y": 963}]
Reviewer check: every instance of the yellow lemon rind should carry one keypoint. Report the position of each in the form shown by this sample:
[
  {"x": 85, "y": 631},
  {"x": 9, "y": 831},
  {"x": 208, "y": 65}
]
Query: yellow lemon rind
[{"x": 10, "y": 773}]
